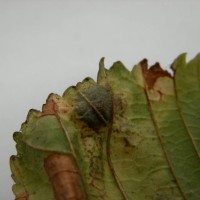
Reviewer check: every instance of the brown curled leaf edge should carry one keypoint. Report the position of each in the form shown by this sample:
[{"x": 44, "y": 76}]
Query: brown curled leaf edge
[{"x": 132, "y": 135}]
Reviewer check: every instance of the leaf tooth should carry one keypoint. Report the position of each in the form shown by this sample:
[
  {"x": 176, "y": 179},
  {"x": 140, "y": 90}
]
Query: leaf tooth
[{"x": 180, "y": 60}]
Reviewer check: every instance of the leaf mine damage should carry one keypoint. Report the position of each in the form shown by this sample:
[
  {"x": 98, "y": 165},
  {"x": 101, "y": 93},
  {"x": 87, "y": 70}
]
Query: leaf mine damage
[
  {"x": 64, "y": 177},
  {"x": 22, "y": 197},
  {"x": 153, "y": 73}
]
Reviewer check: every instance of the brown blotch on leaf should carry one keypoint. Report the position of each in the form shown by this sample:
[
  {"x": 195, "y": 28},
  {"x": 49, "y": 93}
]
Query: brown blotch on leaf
[
  {"x": 50, "y": 108},
  {"x": 64, "y": 177},
  {"x": 22, "y": 197},
  {"x": 127, "y": 143},
  {"x": 153, "y": 73}
]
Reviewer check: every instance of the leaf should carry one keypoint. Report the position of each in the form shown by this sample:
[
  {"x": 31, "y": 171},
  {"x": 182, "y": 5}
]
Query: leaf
[{"x": 132, "y": 135}]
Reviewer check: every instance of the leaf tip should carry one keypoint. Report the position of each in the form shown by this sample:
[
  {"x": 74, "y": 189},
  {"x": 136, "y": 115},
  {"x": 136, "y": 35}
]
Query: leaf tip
[{"x": 102, "y": 71}]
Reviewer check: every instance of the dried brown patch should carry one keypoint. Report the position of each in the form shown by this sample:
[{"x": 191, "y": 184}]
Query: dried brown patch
[
  {"x": 23, "y": 196},
  {"x": 64, "y": 177},
  {"x": 153, "y": 73},
  {"x": 55, "y": 105},
  {"x": 50, "y": 108}
]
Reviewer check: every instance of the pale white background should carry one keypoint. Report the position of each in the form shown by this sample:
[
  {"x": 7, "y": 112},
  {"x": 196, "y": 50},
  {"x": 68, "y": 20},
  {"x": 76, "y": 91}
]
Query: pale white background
[{"x": 46, "y": 46}]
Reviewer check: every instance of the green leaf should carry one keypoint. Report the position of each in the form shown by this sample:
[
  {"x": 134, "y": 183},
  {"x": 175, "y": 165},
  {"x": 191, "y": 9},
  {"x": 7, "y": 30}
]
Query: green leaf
[
  {"x": 187, "y": 88},
  {"x": 132, "y": 135}
]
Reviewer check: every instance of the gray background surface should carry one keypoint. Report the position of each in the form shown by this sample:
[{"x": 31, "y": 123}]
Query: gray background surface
[{"x": 46, "y": 46}]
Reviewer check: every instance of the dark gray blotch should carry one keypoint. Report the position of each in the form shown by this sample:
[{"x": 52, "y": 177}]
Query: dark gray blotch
[{"x": 101, "y": 99}]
